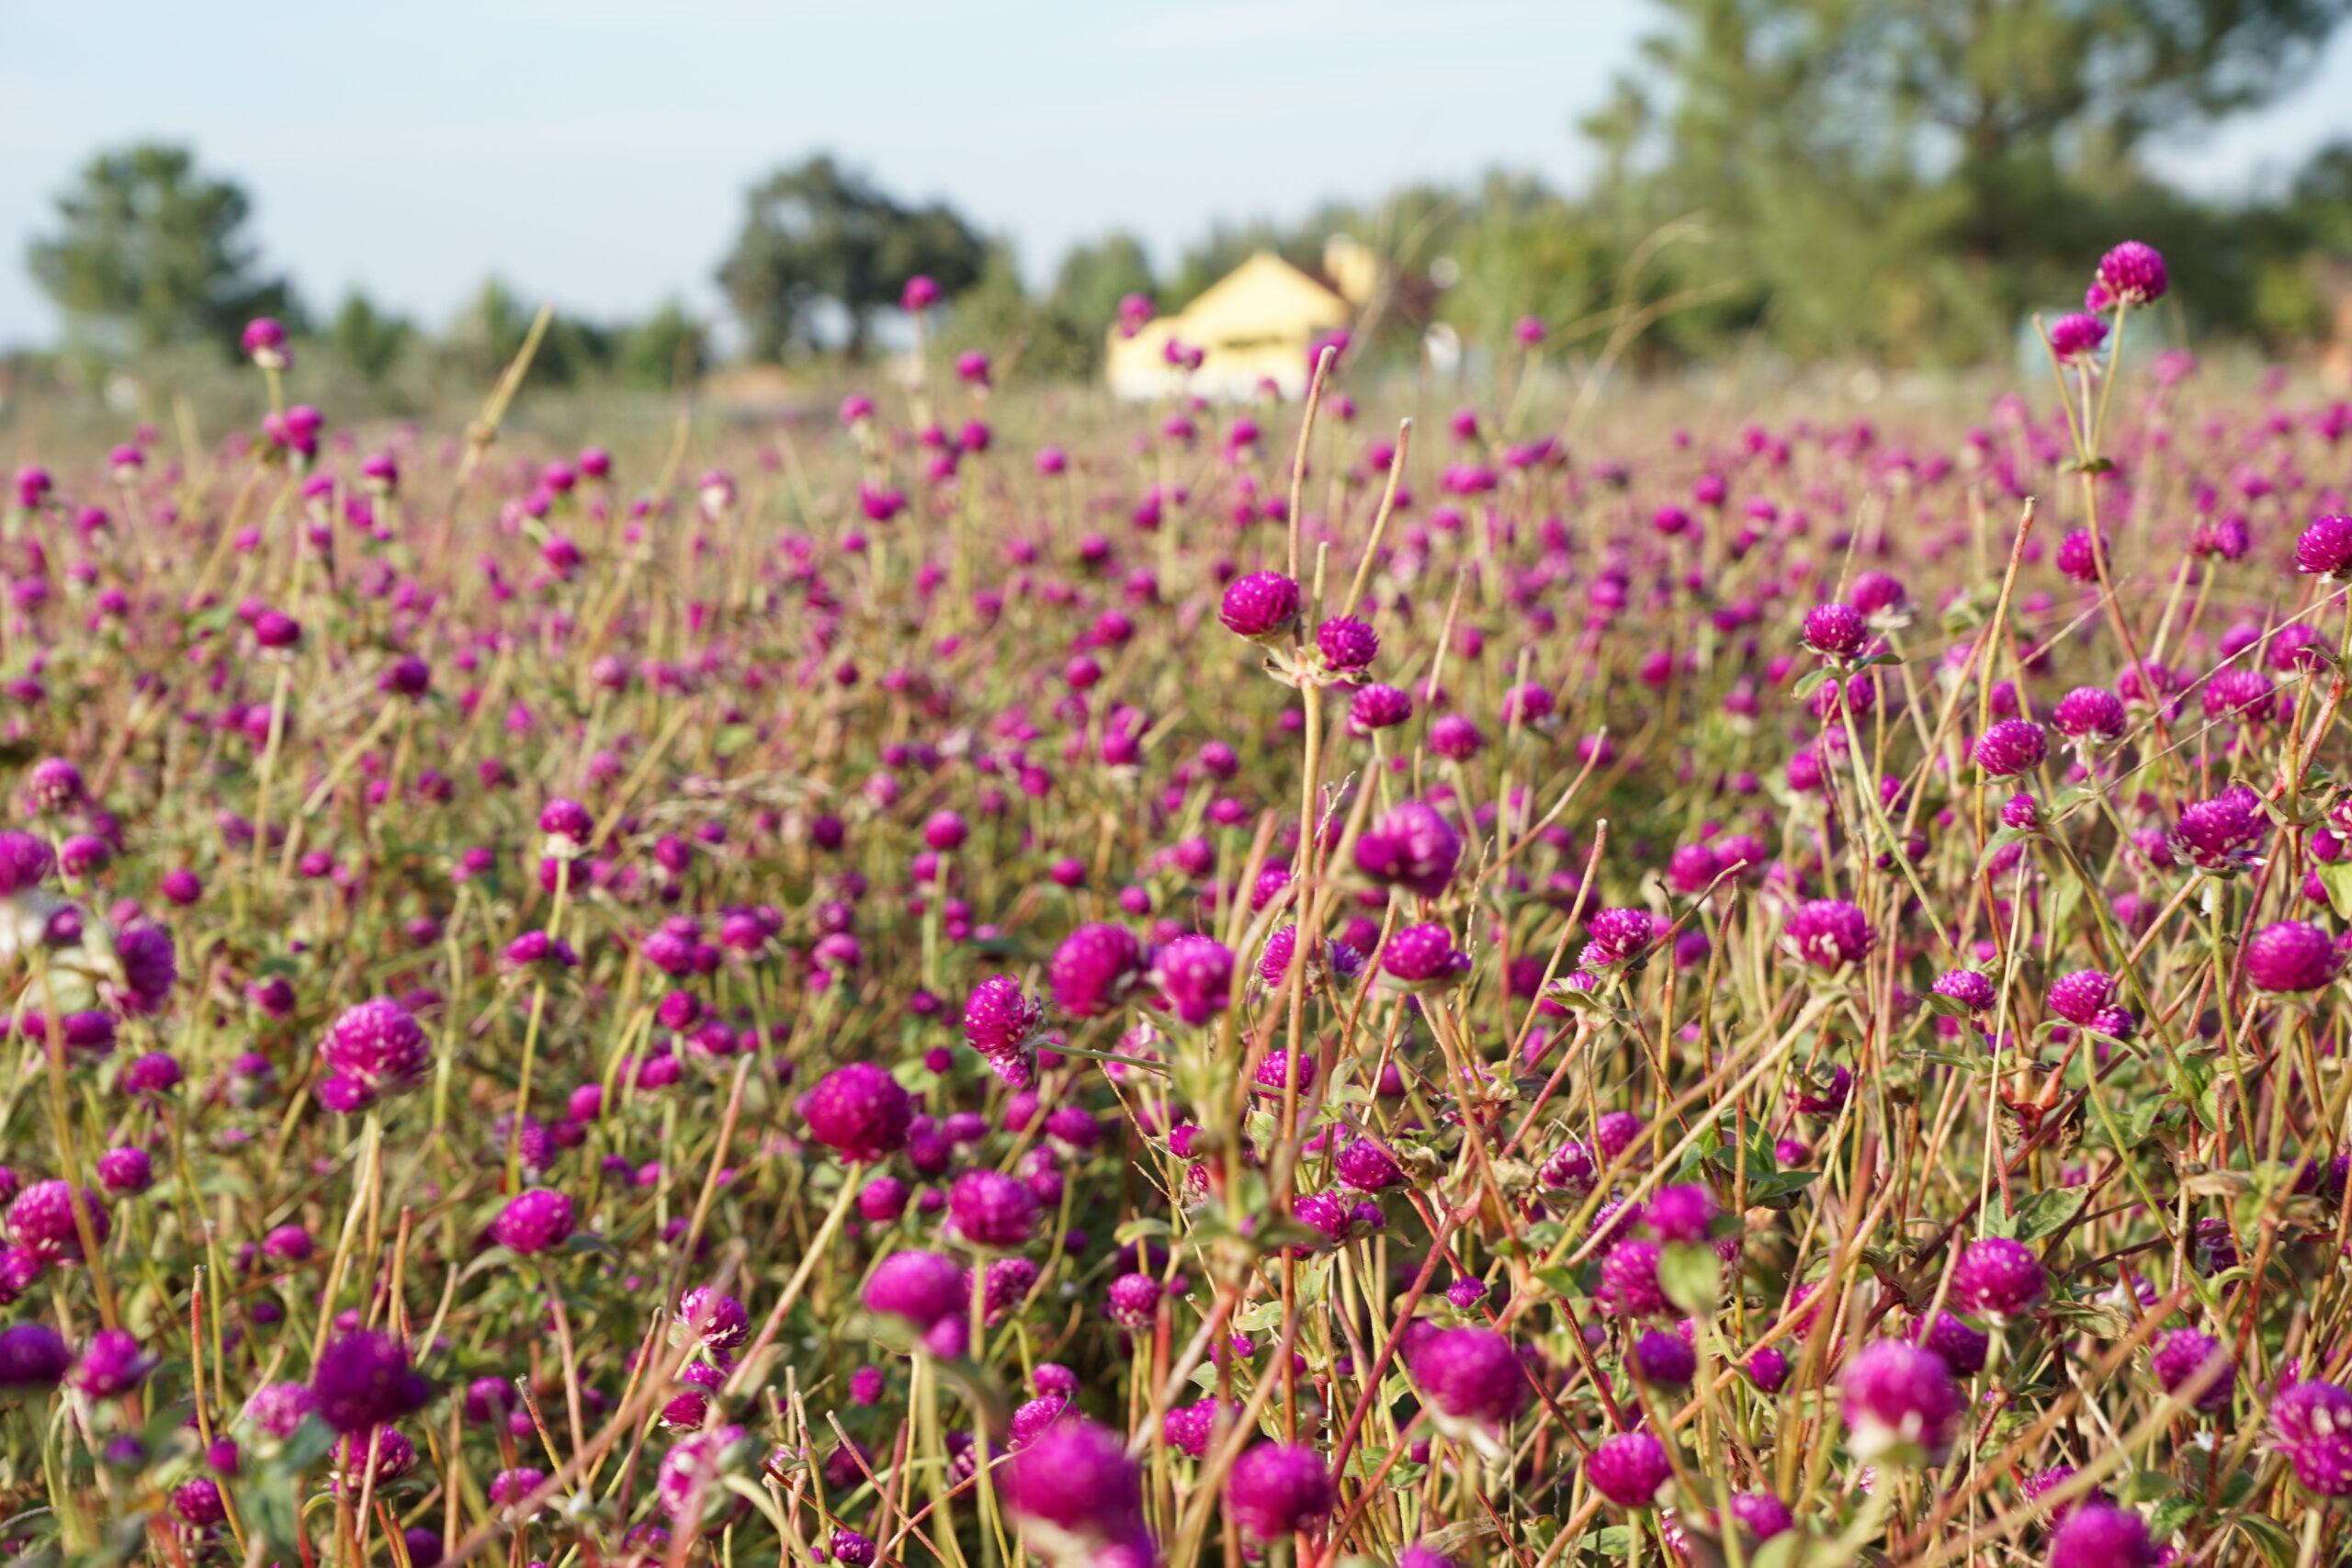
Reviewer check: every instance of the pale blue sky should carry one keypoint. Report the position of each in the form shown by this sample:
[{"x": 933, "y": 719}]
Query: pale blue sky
[{"x": 596, "y": 150}]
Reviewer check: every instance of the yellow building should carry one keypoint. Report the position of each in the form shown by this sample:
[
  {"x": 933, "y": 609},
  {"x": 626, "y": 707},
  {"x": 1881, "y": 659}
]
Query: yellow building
[{"x": 1252, "y": 326}]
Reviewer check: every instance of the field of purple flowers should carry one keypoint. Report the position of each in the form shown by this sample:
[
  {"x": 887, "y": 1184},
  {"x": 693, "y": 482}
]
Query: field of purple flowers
[{"x": 1248, "y": 984}]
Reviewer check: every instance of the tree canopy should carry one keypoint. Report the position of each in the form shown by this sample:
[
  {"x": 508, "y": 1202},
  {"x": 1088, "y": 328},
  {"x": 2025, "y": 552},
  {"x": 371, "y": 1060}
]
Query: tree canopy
[
  {"x": 152, "y": 251},
  {"x": 817, "y": 237}
]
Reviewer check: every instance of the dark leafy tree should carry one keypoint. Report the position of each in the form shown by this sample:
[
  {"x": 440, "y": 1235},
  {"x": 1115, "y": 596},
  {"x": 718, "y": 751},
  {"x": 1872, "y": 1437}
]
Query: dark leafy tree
[
  {"x": 818, "y": 239},
  {"x": 368, "y": 339},
  {"x": 151, "y": 252}
]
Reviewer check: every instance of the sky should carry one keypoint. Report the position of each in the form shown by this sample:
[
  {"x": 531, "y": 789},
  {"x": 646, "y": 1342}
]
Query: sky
[{"x": 595, "y": 152}]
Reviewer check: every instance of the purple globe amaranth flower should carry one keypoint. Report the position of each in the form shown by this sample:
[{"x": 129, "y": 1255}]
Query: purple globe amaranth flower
[
  {"x": 1132, "y": 1301},
  {"x": 1900, "y": 1403},
  {"x": 2090, "y": 712},
  {"x": 127, "y": 1169},
  {"x": 2182, "y": 1354},
  {"x": 1472, "y": 1374},
  {"x": 2079, "y": 553},
  {"x": 2311, "y": 1423},
  {"x": 1094, "y": 969},
  {"x": 2100, "y": 1535},
  {"x": 1617, "y": 937},
  {"x": 921, "y": 1287},
  {"x": 2133, "y": 274},
  {"x": 2011, "y": 747},
  {"x": 42, "y": 1220},
  {"x": 715, "y": 1321},
  {"x": 1277, "y": 1488},
  {"x": 532, "y": 1221},
  {"x": 860, "y": 1112},
  {"x": 1189, "y": 1428},
  {"x": 2075, "y": 338},
  {"x": 1762, "y": 1516},
  {"x": 112, "y": 1364},
  {"x": 1836, "y": 631},
  {"x": 1423, "y": 957},
  {"x": 2325, "y": 547},
  {"x": 1455, "y": 737},
  {"x": 364, "y": 1380},
  {"x": 2220, "y": 833},
  {"x": 32, "y": 1355},
  {"x": 1346, "y": 644},
  {"x": 2289, "y": 957},
  {"x": 1682, "y": 1213},
  {"x": 1074, "y": 1490},
  {"x": 1970, "y": 988},
  {"x": 1962, "y": 1348},
  {"x": 987, "y": 1208},
  {"x": 1365, "y": 1166},
  {"x": 567, "y": 826},
  {"x": 1766, "y": 1368},
  {"x": 26, "y": 861},
  {"x": 1830, "y": 932},
  {"x": 2082, "y": 995},
  {"x": 1379, "y": 708},
  {"x": 1033, "y": 1416},
  {"x": 1998, "y": 1276},
  {"x": 1411, "y": 846},
  {"x": 1001, "y": 1025},
  {"x": 1195, "y": 974},
  {"x": 1629, "y": 1282},
  {"x": 1261, "y": 606},
  {"x": 373, "y": 1049},
  {"x": 1629, "y": 1469},
  {"x": 275, "y": 1409},
  {"x": 1665, "y": 1359}
]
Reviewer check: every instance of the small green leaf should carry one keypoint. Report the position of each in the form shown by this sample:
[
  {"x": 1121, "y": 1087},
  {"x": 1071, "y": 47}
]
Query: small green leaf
[
  {"x": 2167, "y": 1518},
  {"x": 2270, "y": 1539},
  {"x": 1691, "y": 1274},
  {"x": 2337, "y": 878}
]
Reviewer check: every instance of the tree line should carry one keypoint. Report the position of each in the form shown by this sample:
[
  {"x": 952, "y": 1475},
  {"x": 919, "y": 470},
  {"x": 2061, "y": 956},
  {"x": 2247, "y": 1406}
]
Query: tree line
[{"x": 1900, "y": 179}]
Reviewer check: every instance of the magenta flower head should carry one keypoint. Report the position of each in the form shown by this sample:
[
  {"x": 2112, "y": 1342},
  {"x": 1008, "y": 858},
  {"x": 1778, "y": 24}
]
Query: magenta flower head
[
  {"x": 1836, "y": 631},
  {"x": 2289, "y": 957},
  {"x": 1077, "y": 1492},
  {"x": 1617, "y": 937},
  {"x": 1277, "y": 1488},
  {"x": 2220, "y": 834},
  {"x": 112, "y": 1364},
  {"x": 1365, "y": 1166},
  {"x": 364, "y": 1380},
  {"x": 1962, "y": 1348},
  {"x": 860, "y": 1112},
  {"x": 373, "y": 1049},
  {"x": 26, "y": 861},
  {"x": 1378, "y": 707},
  {"x": 1762, "y": 1516},
  {"x": 40, "y": 1220},
  {"x": 920, "y": 294},
  {"x": 1630, "y": 1469},
  {"x": 2089, "y": 713},
  {"x": 1411, "y": 846},
  {"x": 1423, "y": 958},
  {"x": 2182, "y": 1355},
  {"x": 2075, "y": 339},
  {"x": 1346, "y": 644},
  {"x": 1682, "y": 1213},
  {"x": 2100, "y": 1535},
  {"x": 1195, "y": 974},
  {"x": 1970, "y": 988},
  {"x": 2311, "y": 1423},
  {"x": 987, "y": 1208},
  {"x": 1998, "y": 1276},
  {"x": 1261, "y": 606},
  {"x": 264, "y": 340},
  {"x": 32, "y": 1355},
  {"x": 2133, "y": 274},
  {"x": 1472, "y": 1374},
  {"x": 1830, "y": 932},
  {"x": 2011, "y": 747},
  {"x": 568, "y": 827},
  {"x": 2325, "y": 547},
  {"x": 2081, "y": 996},
  {"x": 1094, "y": 969},
  {"x": 1901, "y": 1404},
  {"x": 53, "y": 784},
  {"x": 532, "y": 1221},
  {"x": 923, "y": 1289},
  {"x": 1001, "y": 1025}
]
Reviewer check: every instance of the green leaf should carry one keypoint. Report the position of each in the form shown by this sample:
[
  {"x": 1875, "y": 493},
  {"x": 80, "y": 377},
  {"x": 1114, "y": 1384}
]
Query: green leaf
[
  {"x": 2270, "y": 1539},
  {"x": 2145, "y": 1486},
  {"x": 1691, "y": 1274},
  {"x": 2167, "y": 1518},
  {"x": 731, "y": 738},
  {"x": 1560, "y": 1282},
  {"x": 2337, "y": 878},
  {"x": 2045, "y": 1214}
]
